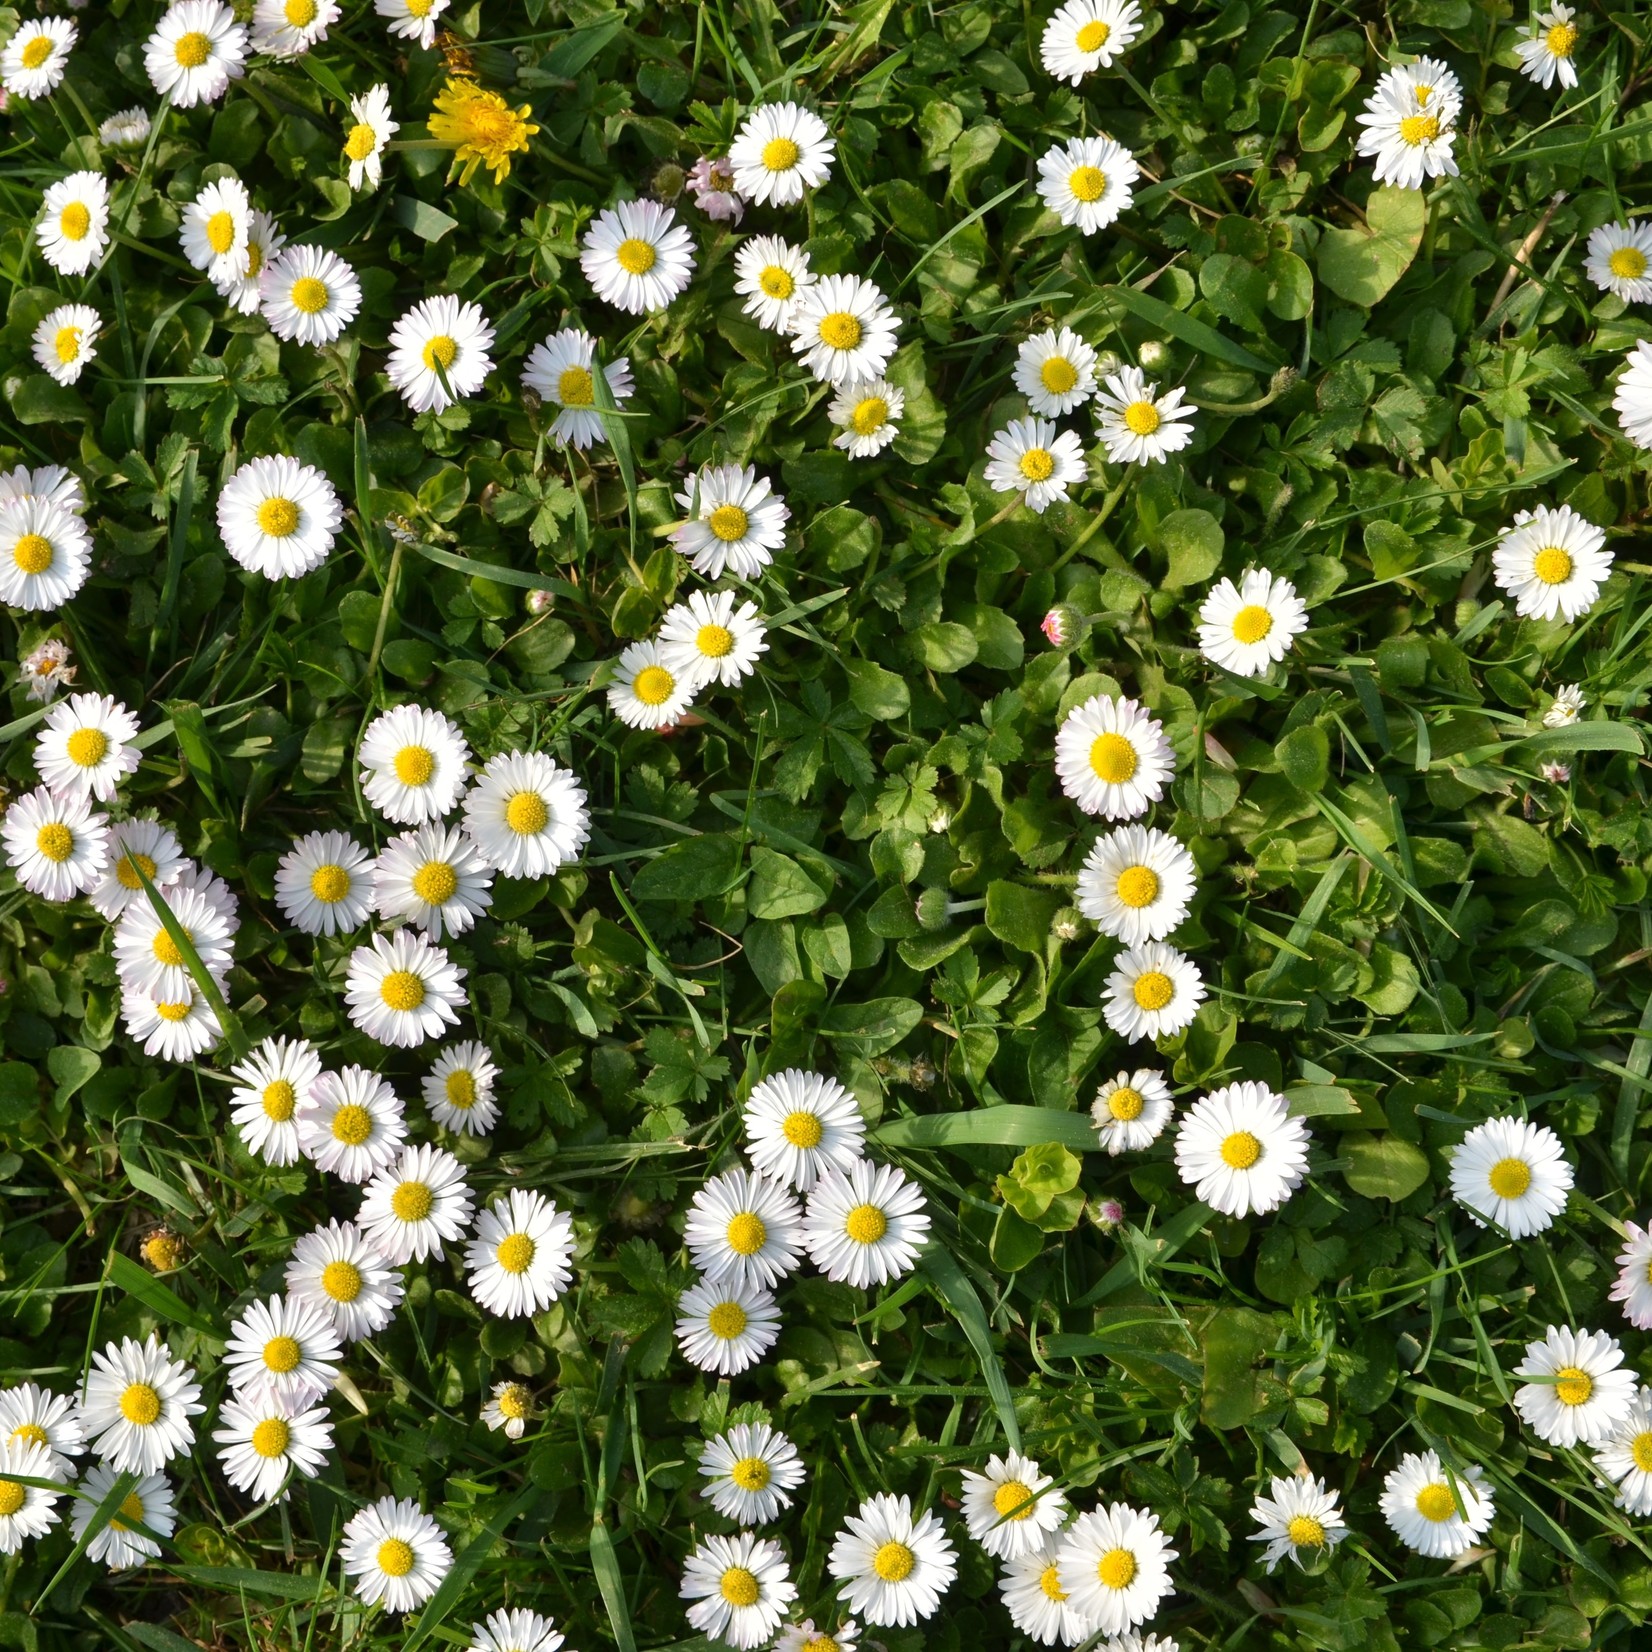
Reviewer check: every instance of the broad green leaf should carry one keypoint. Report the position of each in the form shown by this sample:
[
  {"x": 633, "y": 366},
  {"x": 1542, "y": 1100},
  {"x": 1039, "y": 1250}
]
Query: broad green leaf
[{"x": 1362, "y": 264}]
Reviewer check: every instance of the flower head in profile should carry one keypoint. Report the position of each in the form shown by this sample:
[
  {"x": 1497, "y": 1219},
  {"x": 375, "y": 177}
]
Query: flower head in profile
[{"x": 482, "y": 129}]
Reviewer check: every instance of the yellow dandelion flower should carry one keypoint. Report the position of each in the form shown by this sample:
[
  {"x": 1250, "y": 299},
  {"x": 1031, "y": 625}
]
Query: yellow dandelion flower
[{"x": 482, "y": 128}]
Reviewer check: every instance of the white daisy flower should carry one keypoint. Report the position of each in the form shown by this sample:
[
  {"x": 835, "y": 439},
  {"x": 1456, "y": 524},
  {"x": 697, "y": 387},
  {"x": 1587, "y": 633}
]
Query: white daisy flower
[
  {"x": 515, "y": 1631},
  {"x": 1301, "y": 1517},
  {"x": 844, "y": 329},
  {"x": 1240, "y": 1149},
  {"x": 643, "y": 693},
  {"x": 1429, "y": 83},
  {"x": 395, "y": 1553},
  {"x": 434, "y": 878},
  {"x": 439, "y": 353},
  {"x": 289, "y": 28},
  {"x": 56, "y": 846},
  {"x": 526, "y": 815},
  {"x": 1154, "y": 991},
  {"x": 1548, "y": 55},
  {"x": 84, "y": 749},
  {"x": 1030, "y": 1587},
  {"x": 1137, "y": 884},
  {"x": 1439, "y": 1514},
  {"x": 336, "y": 1270},
  {"x": 508, "y": 1409},
  {"x": 726, "y": 1328},
  {"x": 739, "y": 1588},
  {"x": 801, "y": 1126},
  {"x": 324, "y": 884},
  {"x": 271, "y": 1084},
  {"x": 148, "y": 958},
  {"x": 1133, "y": 1642},
  {"x": 893, "y": 1568},
  {"x": 1055, "y": 370},
  {"x": 197, "y": 49},
  {"x": 51, "y": 484},
  {"x": 371, "y": 128},
  {"x": 750, "y": 1473},
  {"x": 278, "y": 517},
  {"x": 149, "y": 1503},
  {"x": 126, "y": 129},
  {"x": 1031, "y": 457},
  {"x": 175, "y": 1029},
  {"x": 458, "y": 1090},
  {"x": 401, "y": 989},
  {"x": 1087, "y": 181},
  {"x": 32, "y": 1415},
  {"x": 136, "y": 1404},
  {"x": 1633, "y": 399},
  {"x": 1512, "y": 1173},
  {"x": 867, "y": 411},
  {"x": 413, "y": 764},
  {"x": 735, "y": 522},
  {"x": 1633, "y": 1287},
  {"x": 780, "y": 150},
  {"x": 561, "y": 371},
  {"x": 1114, "y": 1565},
  {"x": 1582, "y": 1389},
  {"x": 743, "y": 1226},
  {"x": 413, "y": 20},
  {"x": 1624, "y": 1457},
  {"x": 805, "y": 1637},
  {"x": 46, "y": 668},
  {"x": 36, "y": 58},
  {"x": 1552, "y": 562},
  {"x": 1013, "y": 1507},
  {"x": 264, "y": 1436},
  {"x": 308, "y": 295},
  {"x": 1566, "y": 707},
  {"x": 287, "y": 1347},
  {"x": 45, "y": 554},
  {"x": 213, "y": 890},
  {"x": 74, "y": 223},
  {"x": 25, "y": 1511},
  {"x": 1410, "y": 137},
  {"x": 865, "y": 1226},
  {"x": 351, "y": 1124},
  {"x": 1248, "y": 627},
  {"x": 242, "y": 288},
  {"x": 769, "y": 274},
  {"x": 709, "y": 639},
  {"x": 637, "y": 256},
  {"x": 415, "y": 1207},
  {"x": 1138, "y": 425},
  {"x": 1086, "y": 35},
  {"x": 1112, "y": 758},
  {"x": 1131, "y": 1111},
  {"x": 518, "y": 1261},
  {"x": 65, "y": 340},
  {"x": 1618, "y": 259},
  {"x": 215, "y": 228}
]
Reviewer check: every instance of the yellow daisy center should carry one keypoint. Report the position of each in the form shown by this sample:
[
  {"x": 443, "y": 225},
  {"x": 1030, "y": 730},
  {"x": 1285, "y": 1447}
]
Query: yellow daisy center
[
  {"x": 1509, "y": 1178},
  {"x": 330, "y": 883},
  {"x": 869, "y": 416},
  {"x": 1058, "y": 375},
  {"x": 12, "y": 1497},
  {"x": 1038, "y": 464},
  {"x": 1306, "y": 1532},
  {"x": 352, "y": 1124},
  {"x": 362, "y": 141},
  {"x": 747, "y": 1234},
  {"x": 1627, "y": 263},
  {"x": 866, "y": 1224},
  {"x": 415, "y": 765},
  {"x": 460, "y": 1089},
  {"x": 780, "y": 155},
  {"x": 1252, "y": 623},
  {"x": 301, "y": 13},
  {"x": 635, "y": 257},
  {"x": 1153, "y": 990},
  {"x": 840, "y": 330},
  {"x": 1419, "y": 129},
  {"x": 1092, "y": 37},
  {"x": 726, "y": 1321},
  {"x": 576, "y": 387},
  {"x": 716, "y": 642},
  {"x": 1141, "y": 418},
  {"x": 441, "y": 351},
  {"x": 728, "y": 523},
  {"x": 1138, "y": 886},
  {"x": 1640, "y": 1448},
  {"x": 436, "y": 883},
  {"x": 1013, "y": 1500},
  {"x": 30, "y": 1434},
  {"x": 280, "y": 1098},
  {"x": 55, "y": 841},
  {"x": 1088, "y": 183},
  {"x": 894, "y": 1562},
  {"x": 128, "y": 867},
  {"x": 37, "y": 51},
  {"x": 418, "y": 8},
  {"x": 66, "y": 344},
  {"x": 516, "y": 1253},
  {"x": 1573, "y": 1386},
  {"x": 740, "y": 1587},
  {"x": 32, "y": 553},
  {"x": 1116, "y": 1569},
  {"x": 255, "y": 260},
  {"x": 278, "y": 518},
  {"x": 412, "y": 1202},
  {"x": 1561, "y": 39},
  {"x": 776, "y": 282},
  {"x": 192, "y": 49},
  {"x": 130, "y": 1511},
  {"x": 1049, "y": 1580},
  {"x": 174, "y": 1012},
  {"x": 527, "y": 813},
  {"x": 1126, "y": 1104},
  {"x": 653, "y": 685},
  {"x": 75, "y": 221},
  {"x": 87, "y": 747},
  {"x": 514, "y": 1401},
  {"x": 282, "y": 1354},
  {"x": 1113, "y": 759},
  {"x": 269, "y": 1438},
  {"x": 1240, "y": 1150},
  {"x": 802, "y": 1129},
  {"x": 166, "y": 950},
  {"x": 395, "y": 1557},
  {"x": 220, "y": 232},
  {"x": 1435, "y": 1502},
  {"x": 750, "y": 1474},
  {"x": 309, "y": 295},
  {"x": 140, "y": 1404},
  {"x": 341, "y": 1281},
  {"x": 1552, "y": 565}
]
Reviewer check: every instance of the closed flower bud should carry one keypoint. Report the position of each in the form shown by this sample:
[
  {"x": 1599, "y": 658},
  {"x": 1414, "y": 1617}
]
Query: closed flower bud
[
  {"x": 1155, "y": 355},
  {"x": 1067, "y": 924},
  {"x": 1063, "y": 626},
  {"x": 933, "y": 909},
  {"x": 540, "y": 602},
  {"x": 669, "y": 182}
]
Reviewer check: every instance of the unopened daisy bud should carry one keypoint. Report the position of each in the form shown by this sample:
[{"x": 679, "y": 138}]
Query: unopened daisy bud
[
  {"x": 162, "y": 1249},
  {"x": 1154, "y": 356},
  {"x": 540, "y": 602},
  {"x": 1067, "y": 924},
  {"x": 1557, "y": 774},
  {"x": 1110, "y": 361},
  {"x": 933, "y": 909},
  {"x": 940, "y": 821},
  {"x": 1063, "y": 626},
  {"x": 669, "y": 182},
  {"x": 1107, "y": 1214},
  {"x": 1282, "y": 381}
]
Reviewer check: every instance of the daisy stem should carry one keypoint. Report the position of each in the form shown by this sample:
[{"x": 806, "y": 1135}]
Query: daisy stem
[
  {"x": 384, "y": 607},
  {"x": 1107, "y": 507}
]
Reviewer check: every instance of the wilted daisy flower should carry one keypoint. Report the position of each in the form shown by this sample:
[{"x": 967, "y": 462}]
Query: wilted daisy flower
[
  {"x": 709, "y": 639},
  {"x": 65, "y": 339},
  {"x": 150, "y": 960},
  {"x": 526, "y": 815},
  {"x": 1086, "y": 35},
  {"x": 735, "y": 522},
  {"x": 865, "y": 1226},
  {"x": 395, "y": 1553},
  {"x": 1012, "y": 1507},
  {"x": 711, "y": 182},
  {"x": 197, "y": 49},
  {"x": 1031, "y": 457},
  {"x": 1512, "y": 1173},
  {"x": 1154, "y": 991},
  {"x": 413, "y": 20},
  {"x": 560, "y": 371},
  {"x": 1566, "y": 707},
  {"x": 324, "y": 884},
  {"x": 739, "y": 1588},
  {"x": 515, "y": 1631},
  {"x": 1619, "y": 256},
  {"x": 336, "y": 1270},
  {"x": 289, "y": 28},
  {"x": 287, "y": 1346},
  {"x": 644, "y": 693},
  {"x": 371, "y": 128},
  {"x": 278, "y": 517},
  {"x": 32, "y": 1415},
  {"x": 270, "y": 1084},
  {"x": 637, "y": 256},
  {"x": 127, "y": 129},
  {"x": 1248, "y": 627},
  {"x": 25, "y": 1511},
  {"x": 1409, "y": 136},
  {"x": 804, "y": 1637},
  {"x": 1436, "y": 1513},
  {"x": 439, "y": 353},
  {"x": 240, "y": 289},
  {"x": 149, "y": 1503},
  {"x": 1113, "y": 1564},
  {"x": 174, "y": 1028},
  {"x": 56, "y": 846},
  {"x": 1552, "y": 562},
  {"x": 416, "y": 1206},
  {"x": 36, "y": 57},
  {"x": 726, "y": 1328},
  {"x": 801, "y": 1126},
  {"x": 136, "y": 1404},
  {"x": 508, "y": 1409},
  {"x": 45, "y": 554},
  {"x": 1030, "y": 1587},
  {"x": 866, "y": 411},
  {"x": 413, "y": 764},
  {"x": 1113, "y": 759},
  {"x": 1136, "y": 884},
  {"x": 518, "y": 1260},
  {"x": 215, "y": 228},
  {"x": 84, "y": 749},
  {"x": 264, "y": 1435},
  {"x": 351, "y": 1123},
  {"x": 1300, "y": 1518},
  {"x": 458, "y": 1090},
  {"x": 744, "y": 1226},
  {"x": 1240, "y": 1149},
  {"x": 1633, "y": 400},
  {"x": 1131, "y": 1111},
  {"x": 1087, "y": 182},
  {"x": 74, "y": 223},
  {"x": 401, "y": 990},
  {"x": 893, "y": 1568},
  {"x": 1056, "y": 371},
  {"x": 749, "y": 1473},
  {"x": 1548, "y": 55},
  {"x": 46, "y": 668},
  {"x": 1578, "y": 1389},
  {"x": 309, "y": 295},
  {"x": 1138, "y": 425},
  {"x": 434, "y": 878},
  {"x": 1624, "y": 1457},
  {"x": 843, "y": 328},
  {"x": 769, "y": 274},
  {"x": 780, "y": 150}
]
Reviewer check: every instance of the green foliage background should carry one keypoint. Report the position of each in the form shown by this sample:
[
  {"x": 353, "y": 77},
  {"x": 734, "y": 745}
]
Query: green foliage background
[{"x": 1409, "y": 928}]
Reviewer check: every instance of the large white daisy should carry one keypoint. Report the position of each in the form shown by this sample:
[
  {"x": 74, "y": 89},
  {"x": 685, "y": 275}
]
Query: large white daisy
[
  {"x": 1553, "y": 562},
  {"x": 1087, "y": 182},
  {"x": 458, "y": 1090},
  {"x": 637, "y": 256},
  {"x": 561, "y": 370},
  {"x": 434, "y": 878},
  {"x": 867, "y": 413},
  {"x": 1030, "y": 1587},
  {"x": 735, "y": 521},
  {"x": 45, "y": 554},
  {"x": 287, "y": 1346},
  {"x": 1577, "y": 1388},
  {"x": 1136, "y": 884},
  {"x": 197, "y": 49},
  {"x": 526, "y": 815},
  {"x": 726, "y": 1328},
  {"x": 336, "y": 1270},
  {"x": 1112, "y": 758},
  {"x": 1114, "y": 1565},
  {"x": 801, "y": 1126},
  {"x": 1301, "y": 1518},
  {"x": 264, "y": 1436},
  {"x": 278, "y": 517},
  {"x": 738, "y": 1588},
  {"x": 1035, "y": 459},
  {"x": 643, "y": 692},
  {"x": 439, "y": 353},
  {"x": 1624, "y": 1457},
  {"x": 85, "y": 748},
  {"x": 1436, "y": 1512},
  {"x": 371, "y": 128},
  {"x": 843, "y": 328},
  {"x": 37, "y": 57},
  {"x": 1513, "y": 1173},
  {"x": 1086, "y": 35},
  {"x": 1409, "y": 137},
  {"x": 769, "y": 274},
  {"x": 56, "y": 846},
  {"x": 744, "y": 1226},
  {"x": 74, "y": 222},
  {"x": 750, "y": 1473},
  {"x": 416, "y": 1206},
  {"x": 1618, "y": 259},
  {"x": 413, "y": 20},
  {"x": 215, "y": 229},
  {"x": 518, "y": 1260},
  {"x": 395, "y": 1553},
  {"x": 1136, "y": 424},
  {"x": 865, "y": 1226},
  {"x": 1056, "y": 371},
  {"x": 65, "y": 340},
  {"x": 25, "y": 1511},
  {"x": 175, "y": 1029},
  {"x": 150, "y": 960},
  {"x": 289, "y": 28},
  {"x": 893, "y": 1567},
  {"x": 1131, "y": 1110},
  {"x": 712, "y": 638},
  {"x": 1248, "y": 627},
  {"x": 413, "y": 764},
  {"x": 1241, "y": 1151},
  {"x": 270, "y": 1086},
  {"x": 1154, "y": 991},
  {"x": 1011, "y": 1506},
  {"x": 780, "y": 150},
  {"x": 309, "y": 295},
  {"x": 1550, "y": 54},
  {"x": 324, "y": 884},
  {"x": 32, "y": 1415},
  {"x": 149, "y": 1503},
  {"x": 351, "y": 1123},
  {"x": 136, "y": 1404}
]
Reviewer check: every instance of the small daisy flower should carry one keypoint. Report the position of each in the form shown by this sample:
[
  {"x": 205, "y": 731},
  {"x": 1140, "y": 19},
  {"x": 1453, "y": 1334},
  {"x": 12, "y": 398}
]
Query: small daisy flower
[
  {"x": 66, "y": 340},
  {"x": 1624, "y": 1457},
  {"x": 1410, "y": 137},
  {"x": 241, "y": 289},
  {"x": 84, "y": 749},
  {"x": 711, "y": 182},
  {"x": 1154, "y": 991},
  {"x": 1031, "y": 457},
  {"x": 45, "y": 554},
  {"x": 1131, "y": 1111},
  {"x": 637, "y": 256},
  {"x": 644, "y": 693},
  {"x": 726, "y": 1328},
  {"x": 416, "y": 1206},
  {"x": 508, "y": 1409},
  {"x": 175, "y": 1029},
  {"x": 395, "y": 1553},
  {"x": 74, "y": 223},
  {"x": 1012, "y": 1507},
  {"x": 1241, "y": 1151},
  {"x": 561, "y": 371},
  {"x": 136, "y": 1405},
  {"x": 801, "y": 1126},
  {"x": 1248, "y": 627},
  {"x": 308, "y": 295},
  {"x": 1552, "y": 562},
  {"x": 215, "y": 228},
  {"x": 1113, "y": 759},
  {"x": 413, "y": 20},
  {"x": 32, "y": 1415},
  {"x": 458, "y": 1090},
  {"x": 526, "y": 815},
  {"x": 1566, "y": 707},
  {"x": 1137, "y": 884},
  {"x": 413, "y": 764},
  {"x": 336, "y": 1270},
  {"x": 371, "y": 128},
  {"x": 893, "y": 1567},
  {"x": 289, "y": 28},
  {"x": 1581, "y": 1389},
  {"x": 1512, "y": 1173},
  {"x": 868, "y": 412},
  {"x": 46, "y": 668},
  {"x": 1114, "y": 1565},
  {"x": 515, "y": 1631},
  {"x": 1087, "y": 182},
  {"x": 1056, "y": 372},
  {"x": 844, "y": 329},
  {"x": 270, "y": 1085},
  {"x": 750, "y": 1472},
  {"x": 866, "y": 1226},
  {"x": 780, "y": 150},
  {"x": 324, "y": 884},
  {"x": 739, "y": 1588},
  {"x": 1618, "y": 259},
  {"x": 127, "y": 129},
  {"x": 805, "y": 1637},
  {"x": 1030, "y": 1587},
  {"x": 433, "y": 878},
  {"x": 770, "y": 274},
  {"x": 518, "y": 1261},
  {"x": 709, "y": 639},
  {"x": 287, "y": 1347},
  {"x": 735, "y": 522},
  {"x": 149, "y": 1503},
  {"x": 351, "y": 1124},
  {"x": 148, "y": 958},
  {"x": 264, "y": 1437},
  {"x": 278, "y": 517},
  {"x": 1086, "y": 35},
  {"x": 1548, "y": 55},
  {"x": 1633, "y": 399},
  {"x": 56, "y": 846},
  {"x": 197, "y": 49},
  {"x": 1438, "y": 1514},
  {"x": 1138, "y": 425},
  {"x": 1301, "y": 1518},
  {"x": 37, "y": 57},
  {"x": 25, "y": 1511},
  {"x": 743, "y": 1226}
]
